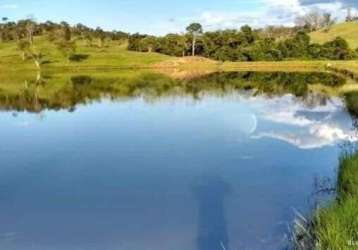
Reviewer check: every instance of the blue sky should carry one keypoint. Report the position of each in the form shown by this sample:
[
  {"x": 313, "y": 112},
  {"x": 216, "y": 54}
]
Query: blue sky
[{"x": 163, "y": 16}]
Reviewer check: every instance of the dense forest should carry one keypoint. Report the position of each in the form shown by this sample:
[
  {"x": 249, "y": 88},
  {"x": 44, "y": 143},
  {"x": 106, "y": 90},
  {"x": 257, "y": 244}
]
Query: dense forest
[{"x": 245, "y": 44}]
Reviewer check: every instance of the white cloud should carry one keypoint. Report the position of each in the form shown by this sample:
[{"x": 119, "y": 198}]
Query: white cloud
[
  {"x": 9, "y": 6},
  {"x": 272, "y": 12}
]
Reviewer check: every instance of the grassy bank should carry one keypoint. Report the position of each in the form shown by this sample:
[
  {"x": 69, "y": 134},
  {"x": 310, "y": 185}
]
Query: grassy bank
[
  {"x": 347, "y": 68},
  {"x": 115, "y": 56},
  {"x": 336, "y": 226}
]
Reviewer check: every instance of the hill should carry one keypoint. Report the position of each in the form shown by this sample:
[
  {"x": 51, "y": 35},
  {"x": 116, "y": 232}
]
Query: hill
[
  {"x": 111, "y": 56},
  {"x": 348, "y": 31}
]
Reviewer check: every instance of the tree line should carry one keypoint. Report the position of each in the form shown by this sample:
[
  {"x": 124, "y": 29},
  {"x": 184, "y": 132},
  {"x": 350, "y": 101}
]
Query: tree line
[
  {"x": 245, "y": 44},
  {"x": 82, "y": 89},
  {"x": 23, "y": 29},
  {"x": 272, "y": 43},
  {"x": 62, "y": 35}
]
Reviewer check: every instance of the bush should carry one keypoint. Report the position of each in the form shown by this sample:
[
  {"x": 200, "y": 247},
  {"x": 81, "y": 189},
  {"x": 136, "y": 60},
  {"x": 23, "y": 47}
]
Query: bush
[
  {"x": 338, "y": 49},
  {"x": 78, "y": 57}
]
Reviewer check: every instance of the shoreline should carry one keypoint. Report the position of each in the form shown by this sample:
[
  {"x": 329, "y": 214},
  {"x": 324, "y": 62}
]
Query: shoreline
[{"x": 198, "y": 63}]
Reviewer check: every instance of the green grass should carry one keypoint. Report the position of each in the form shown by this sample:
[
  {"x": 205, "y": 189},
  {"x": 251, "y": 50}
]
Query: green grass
[
  {"x": 276, "y": 66},
  {"x": 351, "y": 99},
  {"x": 337, "y": 225},
  {"x": 351, "y": 66},
  {"x": 348, "y": 31},
  {"x": 112, "y": 55}
]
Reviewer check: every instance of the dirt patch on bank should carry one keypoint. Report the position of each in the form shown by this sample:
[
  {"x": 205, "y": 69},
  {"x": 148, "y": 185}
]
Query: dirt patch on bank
[{"x": 187, "y": 62}]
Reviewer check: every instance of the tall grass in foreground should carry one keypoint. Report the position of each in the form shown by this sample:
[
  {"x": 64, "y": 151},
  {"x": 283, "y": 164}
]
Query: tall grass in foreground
[
  {"x": 336, "y": 227},
  {"x": 351, "y": 100}
]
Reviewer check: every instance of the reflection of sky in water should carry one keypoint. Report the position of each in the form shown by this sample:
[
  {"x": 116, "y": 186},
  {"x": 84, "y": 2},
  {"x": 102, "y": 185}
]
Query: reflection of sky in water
[
  {"x": 219, "y": 173},
  {"x": 302, "y": 126}
]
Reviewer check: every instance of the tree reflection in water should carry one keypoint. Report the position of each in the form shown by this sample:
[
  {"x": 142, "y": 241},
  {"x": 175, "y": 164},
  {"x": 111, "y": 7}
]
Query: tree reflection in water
[{"x": 66, "y": 91}]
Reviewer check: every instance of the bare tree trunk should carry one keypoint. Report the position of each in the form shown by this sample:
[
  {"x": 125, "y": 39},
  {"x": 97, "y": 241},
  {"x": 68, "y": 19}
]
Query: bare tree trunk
[
  {"x": 37, "y": 63},
  {"x": 193, "y": 46},
  {"x": 1, "y": 35},
  {"x": 30, "y": 37},
  {"x": 38, "y": 77},
  {"x": 30, "y": 33}
]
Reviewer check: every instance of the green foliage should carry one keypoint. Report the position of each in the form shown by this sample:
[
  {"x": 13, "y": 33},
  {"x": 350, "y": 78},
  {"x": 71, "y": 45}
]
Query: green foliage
[
  {"x": 67, "y": 35},
  {"x": 352, "y": 103},
  {"x": 134, "y": 42},
  {"x": 67, "y": 48},
  {"x": 24, "y": 46},
  {"x": 336, "y": 226},
  {"x": 195, "y": 28},
  {"x": 66, "y": 91},
  {"x": 173, "y": 45},
  {"x": 78, "y": 57},
  {"x": 27, "y": 29},
  {"x": 348, "y": 177},
  {"x": 243, "y": 45},
  {"x": 101, "y": 36},
  {"x": 148, "y": 44},
  {"x": 338, "y": 49}
]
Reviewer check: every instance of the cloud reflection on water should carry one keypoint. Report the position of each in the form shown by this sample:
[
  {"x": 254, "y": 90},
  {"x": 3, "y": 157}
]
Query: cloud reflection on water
[{"x": 304, "y": 126}]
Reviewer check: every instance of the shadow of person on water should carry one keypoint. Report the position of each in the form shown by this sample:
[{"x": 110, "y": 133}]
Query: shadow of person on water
[{"x": 212, "y": 225}]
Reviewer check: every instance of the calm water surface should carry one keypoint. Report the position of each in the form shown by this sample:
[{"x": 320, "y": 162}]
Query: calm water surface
[{"x": 210, "y": 171}]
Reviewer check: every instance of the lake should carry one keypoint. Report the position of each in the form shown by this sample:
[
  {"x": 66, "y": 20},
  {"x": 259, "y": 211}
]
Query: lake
[{"x": 141, "y": 161}]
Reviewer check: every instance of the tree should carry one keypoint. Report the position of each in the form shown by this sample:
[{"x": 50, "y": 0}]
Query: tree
[
  {"x": 338, "y": 49},
  {"x": 134, "y": 41},
  {"x": 101, "y": 36},
  {"x": 24, "y": 46},
  {"x": 195, "y": 30},
  {"x": 148, "y": 44},
  {"x": 315, "y": 19},
  {"x": 66, "y": 30},
  {"x": 29, "y": 52},
  {"x": 349, "y": 17},
  {"x": 30, "y": 26},
  {"x": 248, "y": 34},
  {"x": 3, "y": 21},
  {"x": 327, "y": 21},
  {"x": 67, "y": 48},
  {"x": 182, "y": 44},
  {"x": 37, "y": 56}
]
